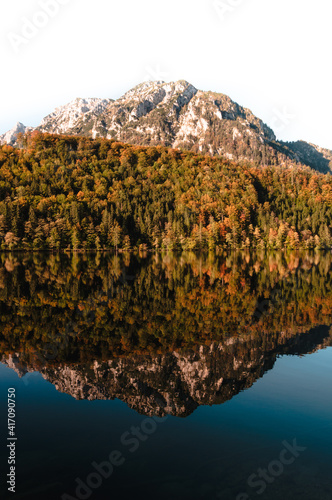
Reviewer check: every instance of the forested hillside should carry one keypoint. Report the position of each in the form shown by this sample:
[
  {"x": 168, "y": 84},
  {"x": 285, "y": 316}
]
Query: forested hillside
[{"x": 61, "y": 192}]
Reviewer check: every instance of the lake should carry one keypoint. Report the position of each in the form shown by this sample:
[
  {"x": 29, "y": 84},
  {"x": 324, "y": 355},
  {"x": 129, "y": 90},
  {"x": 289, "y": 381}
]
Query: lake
[{"x": 165, "y": 377}]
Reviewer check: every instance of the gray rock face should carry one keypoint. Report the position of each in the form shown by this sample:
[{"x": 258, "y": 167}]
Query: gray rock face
[{"x": 73, "y": 117}]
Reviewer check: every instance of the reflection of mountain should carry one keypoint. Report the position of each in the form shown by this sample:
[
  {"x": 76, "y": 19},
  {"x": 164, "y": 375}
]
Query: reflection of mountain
[
  {"x": 178, "y": 382},
  {"x": 164, "y": 334}
]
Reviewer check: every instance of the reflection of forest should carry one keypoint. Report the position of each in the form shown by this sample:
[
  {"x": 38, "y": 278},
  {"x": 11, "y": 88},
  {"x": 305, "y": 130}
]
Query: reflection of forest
[
  {"x": 78, "y": 307},
  {"x": 165, "y": 334}
]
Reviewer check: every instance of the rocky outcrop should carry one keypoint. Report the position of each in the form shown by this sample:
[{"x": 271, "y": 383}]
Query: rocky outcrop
[
  {"x": 10, "y": 137},
  {"x": 78, "y": 117}
]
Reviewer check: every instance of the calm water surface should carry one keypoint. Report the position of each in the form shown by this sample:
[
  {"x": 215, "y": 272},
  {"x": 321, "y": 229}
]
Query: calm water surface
[{"x": 198, "y": 377}]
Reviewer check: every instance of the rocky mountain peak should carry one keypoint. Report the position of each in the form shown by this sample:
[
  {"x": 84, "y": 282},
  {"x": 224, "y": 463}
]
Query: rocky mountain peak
[
  {"x": 144, "y": 89},
  {"x": 145, "y": 98},
  {"x": 69, "y": 116},
  {"x": 10, "y": 137}
]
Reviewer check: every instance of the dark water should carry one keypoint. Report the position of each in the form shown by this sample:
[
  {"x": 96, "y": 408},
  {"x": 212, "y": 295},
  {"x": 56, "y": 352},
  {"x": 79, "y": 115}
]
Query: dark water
[{"x": 197, "y": 377}]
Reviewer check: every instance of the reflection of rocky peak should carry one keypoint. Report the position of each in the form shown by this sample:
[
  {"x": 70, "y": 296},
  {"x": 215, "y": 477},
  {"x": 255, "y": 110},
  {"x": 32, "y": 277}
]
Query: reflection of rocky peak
[
  {"x": 14, "y": 362},
  {"x": 177, "y": 383},
  {"x": 156, "y": 385}
]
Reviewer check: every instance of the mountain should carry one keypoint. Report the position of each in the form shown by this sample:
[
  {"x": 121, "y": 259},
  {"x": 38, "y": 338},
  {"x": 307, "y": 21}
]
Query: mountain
[
  {"x": 178, "y": 115},
  {"x": 78, "y": 117},
  {"x": 10, "y": 137},
  {"x": 315, "y": 157},
  {"x": 176, "y": 383}
]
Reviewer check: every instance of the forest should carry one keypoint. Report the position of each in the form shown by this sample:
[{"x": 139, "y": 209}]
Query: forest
[{"x": 69, "y": 193}]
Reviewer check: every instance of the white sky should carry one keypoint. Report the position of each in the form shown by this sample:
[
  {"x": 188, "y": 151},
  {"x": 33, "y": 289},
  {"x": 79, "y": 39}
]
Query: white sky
[{"x": 271, "y": 56}]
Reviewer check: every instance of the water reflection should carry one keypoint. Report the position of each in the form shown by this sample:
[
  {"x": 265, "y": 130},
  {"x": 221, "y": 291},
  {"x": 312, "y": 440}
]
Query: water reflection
[
  {"x": 165, "y": 334},
  {"x": 176, "y": 383}
]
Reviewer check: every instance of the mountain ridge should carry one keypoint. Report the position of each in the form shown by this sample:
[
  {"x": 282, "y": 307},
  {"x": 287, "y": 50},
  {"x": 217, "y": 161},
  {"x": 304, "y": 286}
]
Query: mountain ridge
[{"x": 180, "y": 116}]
